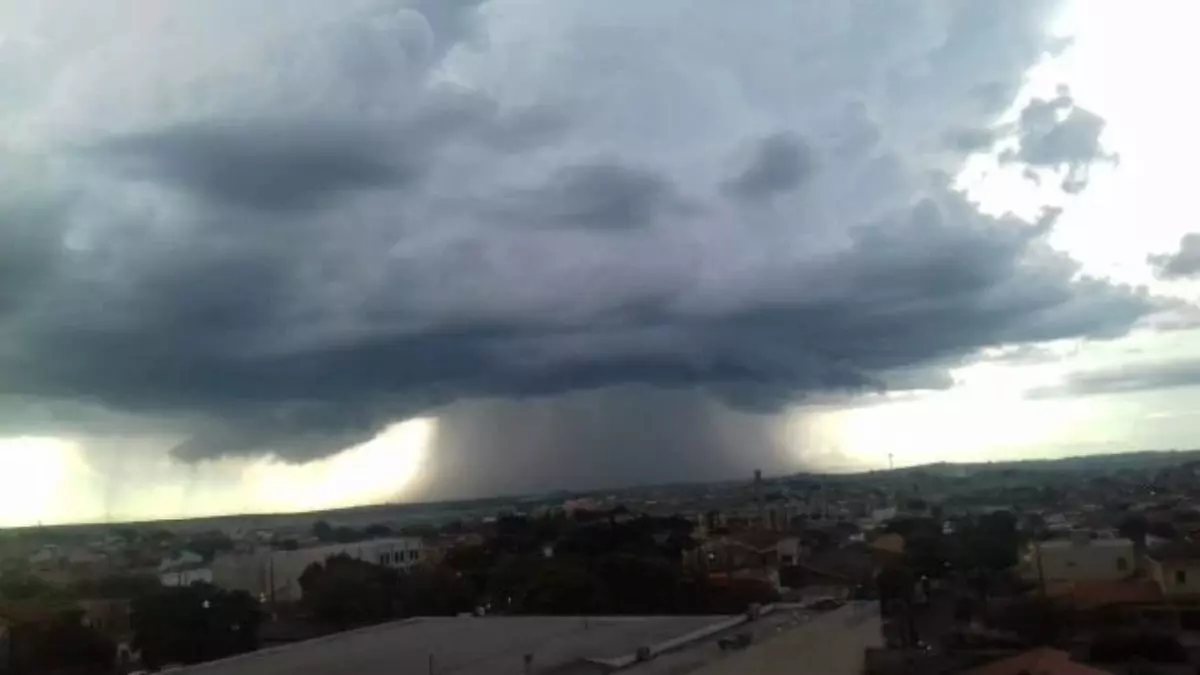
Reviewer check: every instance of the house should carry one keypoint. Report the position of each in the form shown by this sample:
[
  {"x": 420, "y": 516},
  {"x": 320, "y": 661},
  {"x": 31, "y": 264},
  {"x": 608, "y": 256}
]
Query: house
[
  {"x": 1079, "y": 558},
  {"x": 181, "y": 560},
  {"x": 1175, "y": 567},
  {"x": 838, "y": 573},
  {"x": 754, "y": 548}
]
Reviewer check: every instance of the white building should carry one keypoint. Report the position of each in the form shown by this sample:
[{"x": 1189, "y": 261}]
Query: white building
[
  {"x": 186, "y": 576},
  {"x": 1080, "y": 558},
  {"x": 276, "y": 574},
  {"x": 182, "y": 560}
]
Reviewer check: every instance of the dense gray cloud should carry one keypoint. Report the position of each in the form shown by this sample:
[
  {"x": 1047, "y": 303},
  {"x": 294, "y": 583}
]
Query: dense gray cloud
[
  {"x": 348, "y": 215},
  {"x": 598, "y": 195},
  {"x": 1181, "y": 264},
  {"x": 1139, "y": 376},
  {"x": 608, "y": 437},
  {"x": 260, "y": 166},
  {"x": 780, "y": 163}
]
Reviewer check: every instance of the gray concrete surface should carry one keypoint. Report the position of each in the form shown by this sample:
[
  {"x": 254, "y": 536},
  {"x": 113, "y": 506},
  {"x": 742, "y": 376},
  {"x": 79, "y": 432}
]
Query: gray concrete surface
[
  {"x": 460, "y": 646},
  {"x": 833, "y": 643}
]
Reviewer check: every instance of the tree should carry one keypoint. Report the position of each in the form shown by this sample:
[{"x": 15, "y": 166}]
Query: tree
[
  {"x": 990, "y": 543},
  {"x": 323, "y": 531},
  {"x": 435, "y": 592},
  {"x": 193, "y": 624},
  {"x": 208, "y": 544},
  {"x": 63, "y": 643},
  {"x": 378, "y": 530},
  {"x": 117, "y": 586},
  {"x": 1134, "y": 527},
  {"x": 895, "y": 585},
  {"x": 345, "y": 592}
]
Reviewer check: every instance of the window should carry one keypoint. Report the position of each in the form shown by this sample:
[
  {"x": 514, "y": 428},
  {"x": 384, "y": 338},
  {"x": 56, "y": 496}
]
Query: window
[
  {"x": 1122, "y": 564},
  {"x": 1180, "y": 577},
  {"x": 383, "y": 559},
  {"x": 397, "y": 556}
]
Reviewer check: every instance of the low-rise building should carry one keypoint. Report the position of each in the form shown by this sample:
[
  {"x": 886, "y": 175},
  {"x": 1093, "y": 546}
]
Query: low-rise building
[
  {"x": 275, "y": 575},
  {"x": 1079, "y": 558},
  {"x": 1175, "y": 567}
]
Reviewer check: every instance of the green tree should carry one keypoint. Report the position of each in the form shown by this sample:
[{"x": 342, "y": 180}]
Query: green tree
[
  {"x": 435, "y": 592},
  {"x": 209, "y": 544},
  {"x": 62, "y": 644},
  {"x": 1134, "y": 528},
  {"x": 193, "y": 624},
  {"x": 344, "y": 592}
]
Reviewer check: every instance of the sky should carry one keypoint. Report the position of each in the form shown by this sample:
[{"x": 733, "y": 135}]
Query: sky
[{"x": 283, "y": 256}]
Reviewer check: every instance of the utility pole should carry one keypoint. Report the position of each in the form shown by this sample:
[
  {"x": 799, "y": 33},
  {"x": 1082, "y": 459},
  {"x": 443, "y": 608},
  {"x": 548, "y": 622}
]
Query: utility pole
[
  {"x": 758, "y": 496},
  {"x": 1037, "y": 552}
]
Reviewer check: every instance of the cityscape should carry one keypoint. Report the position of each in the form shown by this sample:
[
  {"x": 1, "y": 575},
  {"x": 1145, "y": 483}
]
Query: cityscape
[{"x": 1091, "y": 561}]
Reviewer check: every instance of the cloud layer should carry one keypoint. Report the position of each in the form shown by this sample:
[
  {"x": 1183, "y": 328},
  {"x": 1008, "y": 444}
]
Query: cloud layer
[
  {"x": 353, "y": 212},
  {"x": 1181, "y": 264}
]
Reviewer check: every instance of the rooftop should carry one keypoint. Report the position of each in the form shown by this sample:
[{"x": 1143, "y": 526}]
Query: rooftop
[
  {"x": 1068, "y": 543},
  {"x": 1175, "y": 551},
  {"x": 1087, "y": 595},
  {"x": 466, "y": 646}
]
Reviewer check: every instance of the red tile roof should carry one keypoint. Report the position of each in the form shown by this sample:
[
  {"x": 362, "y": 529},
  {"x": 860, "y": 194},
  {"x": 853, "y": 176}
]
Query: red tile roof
[
  {"x": 1086, "y": 595},
  {"x": 1043, "y": 661}
]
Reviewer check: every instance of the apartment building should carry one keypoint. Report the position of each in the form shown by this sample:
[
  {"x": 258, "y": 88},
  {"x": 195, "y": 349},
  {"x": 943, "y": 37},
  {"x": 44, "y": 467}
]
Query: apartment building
[{"x": 276, "y": 574}]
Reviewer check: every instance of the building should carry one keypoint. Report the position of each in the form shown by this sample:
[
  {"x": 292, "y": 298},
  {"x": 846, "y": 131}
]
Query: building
[
  {"x": 829, "y": 643},
  {"x": 1079, "y": 558},
  {"x": 275, "y": 575},
  {"x": 186, "y": 576},
  {"x": 1175, "y": 567}
]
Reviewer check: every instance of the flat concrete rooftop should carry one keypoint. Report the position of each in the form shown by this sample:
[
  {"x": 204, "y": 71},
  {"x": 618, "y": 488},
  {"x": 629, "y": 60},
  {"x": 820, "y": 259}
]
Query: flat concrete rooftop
[{"x": 461, "y": 646}]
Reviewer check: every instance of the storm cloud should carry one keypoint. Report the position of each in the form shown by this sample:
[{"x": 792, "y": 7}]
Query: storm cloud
[{"x": 359, "y": 212}]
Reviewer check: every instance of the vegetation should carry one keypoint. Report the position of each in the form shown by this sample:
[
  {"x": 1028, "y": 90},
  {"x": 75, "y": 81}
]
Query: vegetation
[
  {"x": 590, "y": 563},
  {"x": 61, "y": 644},
  {"x": 193, "y": 624}
]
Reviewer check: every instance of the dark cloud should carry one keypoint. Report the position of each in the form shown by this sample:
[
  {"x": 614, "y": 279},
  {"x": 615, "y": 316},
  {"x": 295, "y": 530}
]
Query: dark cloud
[
  {"x": 268, "y": 166},
  {"x": 1057, "y": 134},
  {"x": 1144, "y": 376},
  {"x": 605, "y": 438},
  {"x": 932, "y": 284},
  {"x": 599, "y": 195},
  {"x": 1181, "y": 264},
  {"x": 30, "y": 244},
  {"x": 780, "y": 163},
  {"x": 345, "y": 255}
]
